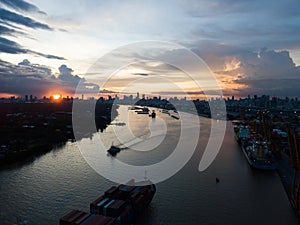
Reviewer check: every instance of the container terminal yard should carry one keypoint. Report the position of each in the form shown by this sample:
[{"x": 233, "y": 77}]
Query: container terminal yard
[{"x": 275, "y": 122}]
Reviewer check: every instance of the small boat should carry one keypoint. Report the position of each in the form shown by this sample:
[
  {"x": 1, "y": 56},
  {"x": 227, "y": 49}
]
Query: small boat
[
  {"x": 165, "y": 111},
  {"x": 153, "y": 114},
  {"x": 144, "y": 110},
  {"x": 175, "y": 117},
  {"x": 113, "y": 150},
  {"x": 119, "y": 124}
]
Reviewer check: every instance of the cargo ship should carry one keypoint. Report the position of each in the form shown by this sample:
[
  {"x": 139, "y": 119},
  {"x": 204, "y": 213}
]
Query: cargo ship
[
  {"x": 256, "y": 151},
  {"x": 120, "y": 205}
]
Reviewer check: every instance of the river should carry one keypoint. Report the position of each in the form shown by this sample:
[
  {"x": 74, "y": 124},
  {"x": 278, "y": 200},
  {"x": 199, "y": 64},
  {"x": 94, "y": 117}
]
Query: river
[{"x": 45, "y": 189}]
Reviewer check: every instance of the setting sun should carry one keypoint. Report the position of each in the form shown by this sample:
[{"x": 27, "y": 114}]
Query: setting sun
[{"x": 56, "y": 96}]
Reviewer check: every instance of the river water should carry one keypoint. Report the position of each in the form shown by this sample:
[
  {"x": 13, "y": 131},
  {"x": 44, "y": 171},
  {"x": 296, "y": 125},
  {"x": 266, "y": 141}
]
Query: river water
[{"x": 45, "y": 189}]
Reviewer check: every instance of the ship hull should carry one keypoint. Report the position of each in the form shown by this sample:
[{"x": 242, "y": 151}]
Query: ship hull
[
  {"x": 120, "y": 205},
  {"x": 249, "y": 148},
  {"x": 258, "y": 164},
  {"x": 124, "y": 203}
]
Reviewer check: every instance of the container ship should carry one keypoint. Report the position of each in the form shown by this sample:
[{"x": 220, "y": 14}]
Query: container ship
[
  {"x": 256, "y": 151},
  {"x": 120, "y": 205}
]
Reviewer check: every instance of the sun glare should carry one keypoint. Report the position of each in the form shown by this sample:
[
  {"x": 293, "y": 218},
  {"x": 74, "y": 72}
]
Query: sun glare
[{"x": 56, "y": 96}]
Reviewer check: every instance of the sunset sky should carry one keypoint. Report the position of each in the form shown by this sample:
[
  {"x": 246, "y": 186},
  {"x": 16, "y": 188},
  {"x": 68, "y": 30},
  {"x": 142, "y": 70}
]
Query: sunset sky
[{"x": 252, "y": 47}]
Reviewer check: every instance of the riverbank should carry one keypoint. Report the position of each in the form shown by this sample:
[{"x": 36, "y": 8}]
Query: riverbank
[
  {"x": 285, "y": 172},
  {"x": 28, "y": 130}
]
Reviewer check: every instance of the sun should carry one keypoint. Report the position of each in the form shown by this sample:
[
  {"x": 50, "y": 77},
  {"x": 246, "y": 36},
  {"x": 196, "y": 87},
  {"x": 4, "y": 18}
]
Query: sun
[{"x": 56, "y": 96}]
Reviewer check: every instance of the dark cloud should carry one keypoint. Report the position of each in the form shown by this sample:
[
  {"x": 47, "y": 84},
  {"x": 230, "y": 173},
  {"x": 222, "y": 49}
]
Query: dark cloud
[
  {"x": 12, "y": 47},
  {"x": 28, "y": 69},
  {"x": 254, "y": 23},
  {"x": 196, "y": 8},
  {"x": 9, "y": 16},
  {"x": 25, "y": 78},
  {"x": 178, "y": 93},
  {"x": 65, "y": 74},
  {"x": 48, "y": 56},
  {"x": 9, "y": 19},
  {"x": 21, "y": 5},
  {"x": 25, "y": 62},
  {"x": 141, "y": 74},
  {"x": 8, "y": 31},
  {"x": 105, "y": 91},
  {"x": 219, "y": 7},
  {"x": 274, "y": 87},
  {"x": 258, "y": 72},
  {"x": 71, "y": 81},
  {"x": 9, "y": 24},
  {"x": 269, "y": 72},
  {"x": 28, "y": 78},
  {"x": 63, "y": 30}
]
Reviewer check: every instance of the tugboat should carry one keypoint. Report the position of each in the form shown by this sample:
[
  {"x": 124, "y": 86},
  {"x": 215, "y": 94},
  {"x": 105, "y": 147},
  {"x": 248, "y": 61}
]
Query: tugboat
[
  {"x": 153, "y": 114},
  {"x": 113, "y": 150},
  {"x": 256, "y": 151},
  {"x": 120, "y": 205}
]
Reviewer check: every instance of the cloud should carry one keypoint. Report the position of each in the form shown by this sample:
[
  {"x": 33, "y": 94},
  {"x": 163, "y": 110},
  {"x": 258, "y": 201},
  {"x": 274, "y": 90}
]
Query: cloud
[
  {"x": 21, "y": 5},
  {"x": 270, "y": 72},
  {"x": 178, "y": 93},
  {"x": 244, "y": 72},
  {"x": 8, "y": 31},
  {"x": 12, "y": 47},
  {"x": 283, "y": 87},
  {"x": 65, "y": 74},
  {"x": 141, "y": 74},
  {"x": 11, "y": 20},
  {"x": 48, "y": 56},
  {"x": 22, "y": 20},
  {"x": 25, "y": 62},
  {"x": 247, "y": 23},
  {"x": 27, "y": 78},
  {"x": 71, "y": 81},
  {"x": 105, "y": 91}
]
